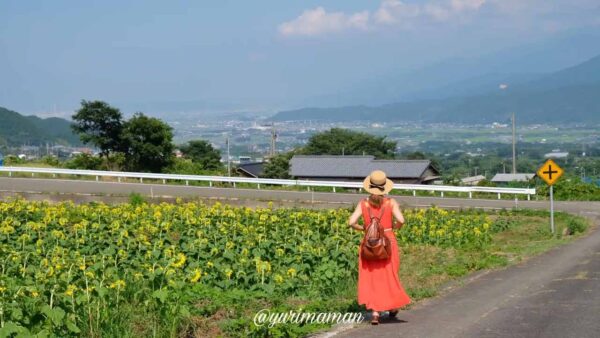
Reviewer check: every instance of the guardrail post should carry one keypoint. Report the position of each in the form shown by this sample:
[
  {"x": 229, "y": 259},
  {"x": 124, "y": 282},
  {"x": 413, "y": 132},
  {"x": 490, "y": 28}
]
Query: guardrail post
[
  {"x": 210, "y": 184},
  {"x": 234, "y": 184},
  {"x": 414, "y": 193},
  {"x": 141, "y": 180},
  {"x": 258, "y": 186},
  {"x": 187, "y": 182},
  {"x": 442, "y": 193},
  {"x": 470, "y": 194},
  {"x": 499, "y": 197},
  {"x": 528, "y": 197},
  {"x": 307, "y": 188},
  {"x": 164, "y": 181},
  {"x": 10, "y": 174},
  {"x": 97, "y": 179},
  {"x": 54, "y": 175},
  {"x": 32, "y": 174},
  {"x": 333, "y": 189}
]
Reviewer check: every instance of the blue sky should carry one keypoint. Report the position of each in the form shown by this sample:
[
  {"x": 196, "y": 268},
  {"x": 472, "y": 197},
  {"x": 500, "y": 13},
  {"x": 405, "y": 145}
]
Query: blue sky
[{"x": 249, "y": 55}]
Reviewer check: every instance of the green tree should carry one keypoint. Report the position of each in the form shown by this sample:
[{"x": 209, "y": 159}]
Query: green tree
[
  {"x": 417, "y": 155},
  {"x": 202, "y": 153},
  {"x": 149, "y": 143},
  {"x": 100, "y": 125},
  {"x": 338, "y": 141},
  {"x": 183, "y": 166},
  {"x": 12, "y": 160},
  {"x": 51, "y": 161},
  {"x": 84, "y": 161},
  {"x": 278, "y": 166}
]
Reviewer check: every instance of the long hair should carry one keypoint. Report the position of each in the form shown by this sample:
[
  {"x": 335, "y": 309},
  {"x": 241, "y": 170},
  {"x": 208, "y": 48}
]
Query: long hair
[{"x": 375, "y": 200}]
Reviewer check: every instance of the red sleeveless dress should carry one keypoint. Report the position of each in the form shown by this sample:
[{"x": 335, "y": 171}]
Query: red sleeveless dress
[{"x": 379, "y": 286}]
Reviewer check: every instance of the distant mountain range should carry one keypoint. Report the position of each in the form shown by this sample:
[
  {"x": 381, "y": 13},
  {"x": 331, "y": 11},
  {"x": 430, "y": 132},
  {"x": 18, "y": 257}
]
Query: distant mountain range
[
  {"x": 565, "y": 96},
  {"x": 16, "y": 129},
  {"x": 467, "y": 75}
]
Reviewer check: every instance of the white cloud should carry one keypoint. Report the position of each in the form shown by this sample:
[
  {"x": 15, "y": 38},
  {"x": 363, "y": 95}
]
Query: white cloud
[
  {"x": 437, "y": 12},
  {"x": 406, "y": 14},
  {"x": 466, "y": 5},
  {"x": 445, "y": 11},
  {"x": 317, "y": 21},
  {"x": 393, "y": 11}
]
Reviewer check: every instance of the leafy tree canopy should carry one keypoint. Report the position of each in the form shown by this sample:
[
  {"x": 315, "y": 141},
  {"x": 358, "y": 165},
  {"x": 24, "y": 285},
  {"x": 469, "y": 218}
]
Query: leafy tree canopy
[
  {"x": 149, "y": 143},
  {"x": 338, "y": 141},
  {"x": 100, "y": 125},
  {"x": 202, "y": 153},
  {"x": 278, "y": 166}
]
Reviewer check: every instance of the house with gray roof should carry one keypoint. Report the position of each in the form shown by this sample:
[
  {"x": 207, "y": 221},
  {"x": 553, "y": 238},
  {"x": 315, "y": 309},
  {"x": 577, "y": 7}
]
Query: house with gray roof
[
  {"x": 251, "y": 169},
  {"x": 473, "y": 180},
  {"x": 507, "y": 178},
  {"x": 356, "y": 168},
  {"x": 557, "y": 155}
]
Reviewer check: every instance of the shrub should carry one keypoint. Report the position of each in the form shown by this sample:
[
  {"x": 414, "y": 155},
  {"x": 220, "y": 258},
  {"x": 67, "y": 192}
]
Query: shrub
[
  {"x": 136, "y": 199},
  {"x": 576, "y": 225}
]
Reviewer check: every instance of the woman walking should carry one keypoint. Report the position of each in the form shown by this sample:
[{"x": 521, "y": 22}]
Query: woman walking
[{"x": 379, "y": 286}]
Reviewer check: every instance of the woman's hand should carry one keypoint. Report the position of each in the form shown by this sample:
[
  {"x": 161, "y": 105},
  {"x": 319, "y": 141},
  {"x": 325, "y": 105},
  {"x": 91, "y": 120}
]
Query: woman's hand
[
  {"x": 397, "y": 225},
  {"x": 357, "y": 227}
]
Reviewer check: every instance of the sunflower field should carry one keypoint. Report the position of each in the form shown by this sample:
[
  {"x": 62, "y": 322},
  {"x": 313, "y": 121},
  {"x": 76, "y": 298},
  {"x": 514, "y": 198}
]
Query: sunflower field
[{"x": 68, "y": 270}]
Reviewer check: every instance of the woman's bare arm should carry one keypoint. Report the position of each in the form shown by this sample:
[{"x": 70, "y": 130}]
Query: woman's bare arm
[
  {"x": 353, "y": 221},
  {"x": 397, "y": 214}
]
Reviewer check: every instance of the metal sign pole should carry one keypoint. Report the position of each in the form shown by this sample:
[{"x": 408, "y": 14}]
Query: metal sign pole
[
  {"x": 552, "y": 208},
  {"x": 550, "y": 172}
]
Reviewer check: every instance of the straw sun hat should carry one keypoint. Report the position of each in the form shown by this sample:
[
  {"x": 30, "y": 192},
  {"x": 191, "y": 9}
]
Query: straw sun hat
[{"x": 377, "y": 183}]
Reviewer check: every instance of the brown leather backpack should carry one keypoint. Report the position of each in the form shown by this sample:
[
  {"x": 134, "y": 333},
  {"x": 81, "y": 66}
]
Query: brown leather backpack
[{"x": 375, "y": 245}]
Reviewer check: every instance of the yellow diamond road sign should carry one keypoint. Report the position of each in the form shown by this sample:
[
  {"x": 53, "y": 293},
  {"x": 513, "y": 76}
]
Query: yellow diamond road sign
[{"x": 550, "y": 172}]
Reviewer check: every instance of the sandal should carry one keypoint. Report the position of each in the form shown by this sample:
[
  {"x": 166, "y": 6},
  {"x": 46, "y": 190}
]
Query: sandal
[
  {"x": 375, "y": 319},
  {"x": 393, "y": 313}
]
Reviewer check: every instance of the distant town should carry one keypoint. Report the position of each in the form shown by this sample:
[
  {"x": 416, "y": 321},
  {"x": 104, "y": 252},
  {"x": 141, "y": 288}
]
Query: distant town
[{"x": 251, "y": 140}]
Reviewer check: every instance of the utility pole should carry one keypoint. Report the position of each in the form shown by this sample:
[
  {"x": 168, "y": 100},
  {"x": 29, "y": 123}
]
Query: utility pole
[
  {"x": 228, "y": 156},
  {"x": 514, "y": 145},
  {"x": 273, "y": 138}
]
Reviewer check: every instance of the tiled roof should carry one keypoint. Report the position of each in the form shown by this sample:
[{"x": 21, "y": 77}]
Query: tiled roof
[
  {"x": 354, "y": 166},
  {"x": 512, "y": 177},
  {"x": 253, "y": 168},
  {"x": 473, "y": 179}
]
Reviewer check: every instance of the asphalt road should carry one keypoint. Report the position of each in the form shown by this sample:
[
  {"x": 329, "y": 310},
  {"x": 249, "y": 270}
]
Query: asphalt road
[
  {"x": 87, "y": 188},
  {"x": 556, "y": 294}
]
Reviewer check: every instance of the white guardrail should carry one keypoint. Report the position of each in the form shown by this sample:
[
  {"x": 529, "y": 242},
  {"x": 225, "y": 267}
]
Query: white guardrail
[{"x": 267, "y": 181}]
